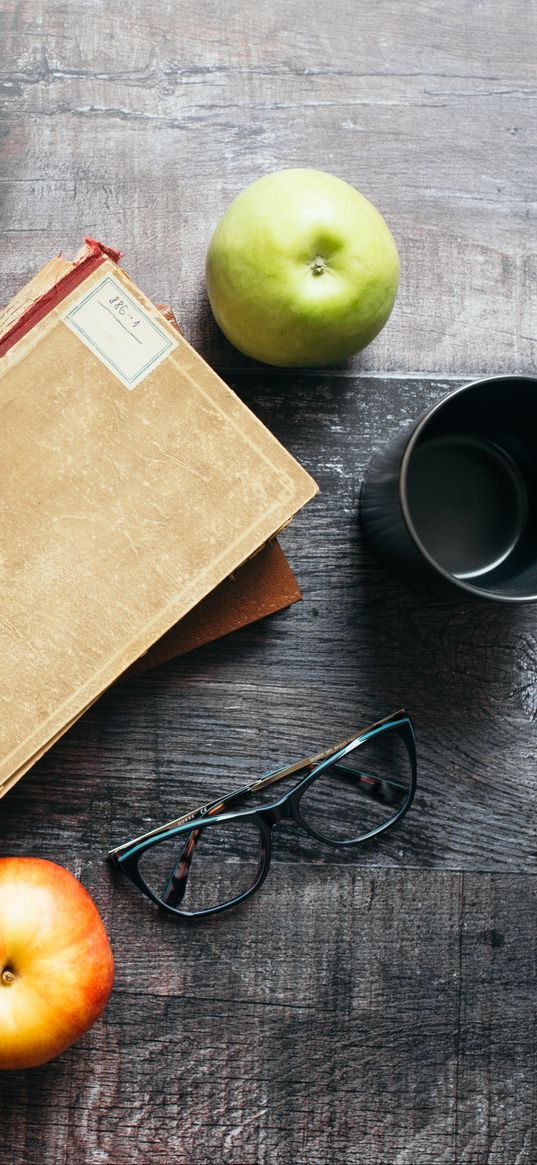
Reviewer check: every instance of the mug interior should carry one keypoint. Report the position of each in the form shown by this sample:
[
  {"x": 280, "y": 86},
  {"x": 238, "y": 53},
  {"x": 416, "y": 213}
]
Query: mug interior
[{"x": 469, "y": 488}]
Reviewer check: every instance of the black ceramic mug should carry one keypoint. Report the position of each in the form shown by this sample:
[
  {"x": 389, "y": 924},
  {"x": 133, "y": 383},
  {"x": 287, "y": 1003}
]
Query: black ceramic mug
[{"x": 451, "y": 505}]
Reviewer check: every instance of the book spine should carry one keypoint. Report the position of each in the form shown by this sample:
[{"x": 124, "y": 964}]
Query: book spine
[{"x": 92, "y": 256}]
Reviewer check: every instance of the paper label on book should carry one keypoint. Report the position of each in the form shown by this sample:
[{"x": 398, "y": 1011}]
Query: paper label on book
[{"x": 119, "y": 331}]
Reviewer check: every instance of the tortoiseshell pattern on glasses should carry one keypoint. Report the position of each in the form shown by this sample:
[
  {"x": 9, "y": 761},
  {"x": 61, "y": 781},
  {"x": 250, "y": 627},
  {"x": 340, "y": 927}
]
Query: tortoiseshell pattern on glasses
[{"x": 188, "y": 829}]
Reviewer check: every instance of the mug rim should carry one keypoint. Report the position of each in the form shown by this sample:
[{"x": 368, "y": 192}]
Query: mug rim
[{"x": 416, "y": 433}]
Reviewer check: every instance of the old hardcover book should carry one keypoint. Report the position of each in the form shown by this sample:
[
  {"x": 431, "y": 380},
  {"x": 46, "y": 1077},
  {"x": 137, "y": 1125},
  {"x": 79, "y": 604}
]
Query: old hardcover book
[
  {"x": 134, "y": 483},
  {"x": 259, "y": 587},
  {"x": 262, "y": 585}
]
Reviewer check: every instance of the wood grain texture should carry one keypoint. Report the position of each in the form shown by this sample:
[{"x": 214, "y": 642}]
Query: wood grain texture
[
  {"x": 370, "y": 1009},
  {"x": 397, "y": 1042},
  {"x": 374, "y": 1009},
  {"x": 358, "y": 646},
  {"x": 140, "y": 126}
]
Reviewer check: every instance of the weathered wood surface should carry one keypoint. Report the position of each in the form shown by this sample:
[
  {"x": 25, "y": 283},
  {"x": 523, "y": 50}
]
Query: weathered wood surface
[
  {"x": 139, "y": 123},
  {"x": 368, "y": 1010},
  {"x": 365, "y": 1008},
  {"x": 394, "y": 1041}
]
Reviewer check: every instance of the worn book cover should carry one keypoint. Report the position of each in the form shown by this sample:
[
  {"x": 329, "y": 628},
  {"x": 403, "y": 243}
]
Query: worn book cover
[
  {"x": 135, "y": 481},
  {"x": 262, "y": 585}
]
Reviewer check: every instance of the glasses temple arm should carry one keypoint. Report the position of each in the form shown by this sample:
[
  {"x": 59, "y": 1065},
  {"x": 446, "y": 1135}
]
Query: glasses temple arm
[
  {"x": 220, "y": 805},
  {"x": 224, "y": 803},
  {"x": 176, "y": 887},
  {"x": 229, "y": 799},
  {"x": 347, "y": 771},
  {"x": 213, "y": 807},
  {"x": 268, "y": 779}
]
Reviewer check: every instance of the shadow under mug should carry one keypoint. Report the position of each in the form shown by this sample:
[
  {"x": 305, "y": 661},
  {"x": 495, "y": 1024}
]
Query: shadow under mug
[{"x": 451, "y": 505}]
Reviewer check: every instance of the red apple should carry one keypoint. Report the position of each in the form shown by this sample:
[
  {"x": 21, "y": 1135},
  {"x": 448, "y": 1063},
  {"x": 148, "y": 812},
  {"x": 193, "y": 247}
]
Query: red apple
[{"x": 56, "y": 965}]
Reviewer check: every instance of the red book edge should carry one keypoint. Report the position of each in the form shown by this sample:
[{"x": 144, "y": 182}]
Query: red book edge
[{"x": 93, "y": 254}]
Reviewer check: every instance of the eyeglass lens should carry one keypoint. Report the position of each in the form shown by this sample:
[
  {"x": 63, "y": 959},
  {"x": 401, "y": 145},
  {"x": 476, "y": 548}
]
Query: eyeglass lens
[
  {"x": 205, "y": 868},
  {"x": 366, "y": 789},
  {"x": 213, "y": 865}
]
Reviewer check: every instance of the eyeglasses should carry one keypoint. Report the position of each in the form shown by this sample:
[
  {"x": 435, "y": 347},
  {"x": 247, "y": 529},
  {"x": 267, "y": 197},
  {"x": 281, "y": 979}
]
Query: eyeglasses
[{"x": 215, "y": 857}]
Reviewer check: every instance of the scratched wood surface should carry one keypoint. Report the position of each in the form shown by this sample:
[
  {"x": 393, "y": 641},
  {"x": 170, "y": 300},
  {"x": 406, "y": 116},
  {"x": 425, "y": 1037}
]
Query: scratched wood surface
[{"x": 368, "y": 1010}]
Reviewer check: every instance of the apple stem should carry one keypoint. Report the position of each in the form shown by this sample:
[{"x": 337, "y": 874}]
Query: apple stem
[{"x": 7, "y": 977}]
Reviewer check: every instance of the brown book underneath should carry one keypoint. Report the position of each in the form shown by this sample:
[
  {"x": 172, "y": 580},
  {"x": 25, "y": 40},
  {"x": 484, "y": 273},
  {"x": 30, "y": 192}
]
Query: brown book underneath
[
  {"x": 259, "y": 587},
  {"x": 127, "y": 516}
]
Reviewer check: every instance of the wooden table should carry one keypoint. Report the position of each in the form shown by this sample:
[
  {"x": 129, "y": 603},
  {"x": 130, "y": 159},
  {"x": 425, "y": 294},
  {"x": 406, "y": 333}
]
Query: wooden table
[{"x": 369, "y": 1010}]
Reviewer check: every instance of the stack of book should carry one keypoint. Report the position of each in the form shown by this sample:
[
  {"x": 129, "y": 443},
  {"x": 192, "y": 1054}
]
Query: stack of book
[{"x": 139, "y": 505}]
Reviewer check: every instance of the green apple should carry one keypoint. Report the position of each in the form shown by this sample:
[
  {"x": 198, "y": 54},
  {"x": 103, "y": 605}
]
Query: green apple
[{"x": 301, "y": 270}]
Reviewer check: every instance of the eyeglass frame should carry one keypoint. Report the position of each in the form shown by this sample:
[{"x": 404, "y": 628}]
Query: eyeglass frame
[{"x": 127, "y": 855}]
